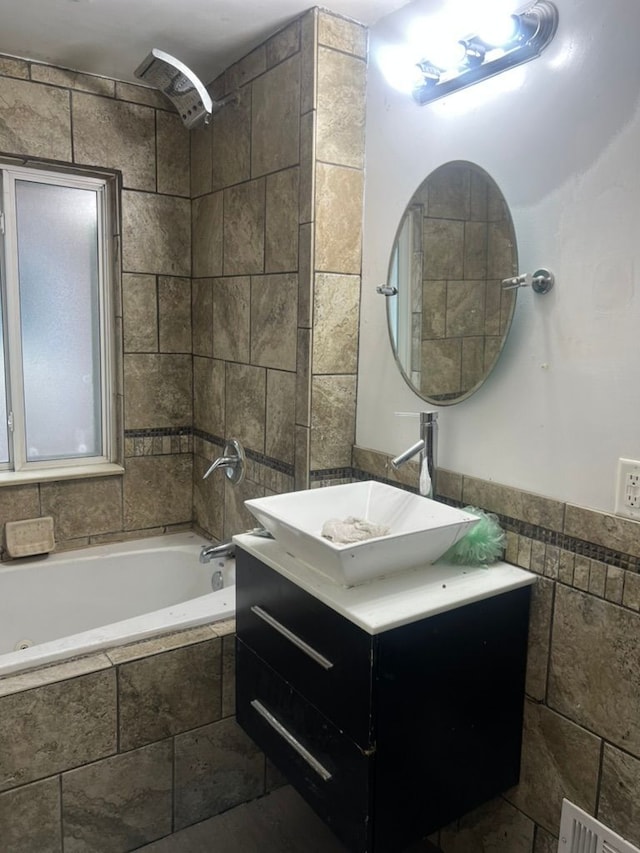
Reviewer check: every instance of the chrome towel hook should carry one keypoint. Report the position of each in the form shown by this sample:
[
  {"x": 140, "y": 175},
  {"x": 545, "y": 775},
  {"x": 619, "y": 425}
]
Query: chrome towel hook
[{"x": 541, "y": 281}]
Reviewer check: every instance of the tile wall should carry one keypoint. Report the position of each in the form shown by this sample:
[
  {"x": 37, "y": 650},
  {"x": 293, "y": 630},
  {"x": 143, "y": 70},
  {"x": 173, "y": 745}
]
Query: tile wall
[
  {"x": 109, "y": 752},
  {"x": 63, "y": 117},
  {"x": 582, "y": 708},
  {"x": 277, "y": 183}
]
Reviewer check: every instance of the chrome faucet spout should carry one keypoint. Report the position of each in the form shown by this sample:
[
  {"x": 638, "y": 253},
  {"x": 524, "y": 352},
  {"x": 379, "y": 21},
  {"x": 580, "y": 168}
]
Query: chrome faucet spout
[{"x": 427, "y": 447}]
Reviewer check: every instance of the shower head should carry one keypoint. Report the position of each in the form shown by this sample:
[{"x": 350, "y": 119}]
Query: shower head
[{"x": 180, "y": 85}]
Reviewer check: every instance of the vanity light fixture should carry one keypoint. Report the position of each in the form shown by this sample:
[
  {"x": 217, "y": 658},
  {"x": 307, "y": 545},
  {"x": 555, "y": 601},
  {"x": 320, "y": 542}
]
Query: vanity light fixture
[{"x": 488, "y": 53}]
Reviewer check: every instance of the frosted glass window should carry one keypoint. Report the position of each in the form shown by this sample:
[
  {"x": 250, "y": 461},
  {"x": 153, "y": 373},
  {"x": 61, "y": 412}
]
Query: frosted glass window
[
  {"x": 59, "y": 311},
  {"x": 56, "y": 348},
  {"x": 4, "y": 436}
]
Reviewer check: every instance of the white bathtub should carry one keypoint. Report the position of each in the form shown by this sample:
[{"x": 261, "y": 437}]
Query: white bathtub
[{"x": 78, "y": 602}]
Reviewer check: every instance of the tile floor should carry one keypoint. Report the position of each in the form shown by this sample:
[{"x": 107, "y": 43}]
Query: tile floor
[{"x": 281, "y": 822}]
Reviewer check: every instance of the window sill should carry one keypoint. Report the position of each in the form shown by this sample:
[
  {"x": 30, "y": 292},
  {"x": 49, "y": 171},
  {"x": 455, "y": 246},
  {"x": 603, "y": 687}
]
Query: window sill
[{"x": 72, "y": 472}]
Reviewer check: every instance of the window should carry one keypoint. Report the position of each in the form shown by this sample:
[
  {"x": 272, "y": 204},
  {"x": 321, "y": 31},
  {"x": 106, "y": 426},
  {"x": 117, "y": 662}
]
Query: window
[{"x": 56, "y": 351}]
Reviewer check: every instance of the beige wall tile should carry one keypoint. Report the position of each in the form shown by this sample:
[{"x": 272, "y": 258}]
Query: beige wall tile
[
  {"x": 496, "y": 826},
  {"x": 152, "y": 700},
  {"x": 305, "y": 275},
  {"x": 602, "y": 528},
  {"x": 73, "y": 80},
  {"x": 246, "y": 69},
  {"x": 116, "y": 135},
  {"x": 123, "y": 801},
  {"x": 443, "y": 242},
  {"x": 341, "y": 106},
  {"x": 208, "y": 495},
  {"x": 30, "y": 818},
  {"x": 475, "y": 251},
  {"x": 201, "y": 140},
  {"x": 244, "y": 221},
  {"x": 275, "y": 118},
  {"x": 309, "y": 51},
  {"x": 173, "y": 155},
  {"x": 303, "y": 456},
  {"x": 232, "y": 318},
  {"x": 207, "y": 235},
  {"x": 18, "y": 502},
  {"x": 434, "y": 309},
  {"x": 441, "y": 366},
  {"x": 231, "y": 150},
  {"x": 157, "y": 491},
  {"x": 217, "y": 767},
  {"x": 237, "y": 518},
  {"x": 157, "y": 390},
  {"x": 245, "y": 406},
  {"x": 281, "y": 221},
  {"x": 228, "y": 675},
  {"x": 174, "y": 314},
  {"x": 143, "y": 95},
  {"x": 619, "y": 805},
  {"x": 274, "y": 314},
  {"x": 36, "y": 120},
  {"x": 525, "y": 506},
  {"x": 559, "y": 759},
  {"x": 202, "y": 316},
  {"x": 163, "y": 643},
  {"x": 307, "y": 179},
  {"x": 156, "y": 234},
  {"x": 83, "y": 507},
  {"x": 448, "y": 194},
  {"x": 140, "y": 313},
  {"x": 342, "y": 34},
  {"x": 283, "y": 44},
  {"x": 539, "y": 638},
  {"x": 281, "y": 398},
  {"x": 53, "y": 728},
  {"x": 303, "y": 378},
  {"x": 336, "y": 303},
  {"x": 631, "y": 593},
  {"x": 338, "y": 218},
  {"x": 333, "y": 403},
  {"x": 11, "y": 67},
  {"x": 607, "y": 657},
  {"x": 209, "y": 395}
]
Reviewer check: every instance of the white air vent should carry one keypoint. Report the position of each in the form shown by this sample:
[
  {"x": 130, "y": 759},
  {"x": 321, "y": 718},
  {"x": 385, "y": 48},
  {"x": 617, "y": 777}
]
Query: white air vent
[{"x": 581, "y": 833}]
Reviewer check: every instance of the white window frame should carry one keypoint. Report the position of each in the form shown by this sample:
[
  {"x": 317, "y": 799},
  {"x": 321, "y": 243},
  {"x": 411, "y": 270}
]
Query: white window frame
[{"x": 18, "y": 469}]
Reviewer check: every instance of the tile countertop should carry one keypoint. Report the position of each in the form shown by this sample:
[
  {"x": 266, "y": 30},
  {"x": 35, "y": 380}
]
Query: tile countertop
[{"x": 402, "y": 598}]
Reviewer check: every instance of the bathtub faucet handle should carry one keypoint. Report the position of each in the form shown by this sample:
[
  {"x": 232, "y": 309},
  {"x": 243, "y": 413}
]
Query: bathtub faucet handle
[{"x": 232, "y": 460}]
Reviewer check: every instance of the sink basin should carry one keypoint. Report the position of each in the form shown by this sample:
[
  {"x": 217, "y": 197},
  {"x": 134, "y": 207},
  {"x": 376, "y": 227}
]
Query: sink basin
[{"x": 420, "y": 529}]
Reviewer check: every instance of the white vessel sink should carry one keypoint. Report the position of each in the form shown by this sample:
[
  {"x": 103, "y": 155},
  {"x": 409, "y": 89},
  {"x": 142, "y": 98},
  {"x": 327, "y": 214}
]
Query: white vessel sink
[{"x": 420, "y": 529}]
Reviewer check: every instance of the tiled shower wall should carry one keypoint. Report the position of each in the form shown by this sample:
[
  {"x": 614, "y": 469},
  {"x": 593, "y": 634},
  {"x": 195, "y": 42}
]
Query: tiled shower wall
[
  {"x": 582, "y": 709},
  {"x": 63, "y": 117},
  {"x": 277, "y": 187}
]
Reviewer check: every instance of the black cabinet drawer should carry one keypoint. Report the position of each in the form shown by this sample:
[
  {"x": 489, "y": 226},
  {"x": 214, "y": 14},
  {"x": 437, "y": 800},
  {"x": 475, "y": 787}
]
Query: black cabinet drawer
[
  {"x": 321, "y": 654},
  {"x": 330, "y": 771}
]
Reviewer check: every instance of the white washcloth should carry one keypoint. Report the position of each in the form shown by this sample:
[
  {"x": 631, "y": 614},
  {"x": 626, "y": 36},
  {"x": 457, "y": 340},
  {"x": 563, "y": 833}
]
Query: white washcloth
[{"x": 348, "y": 530}]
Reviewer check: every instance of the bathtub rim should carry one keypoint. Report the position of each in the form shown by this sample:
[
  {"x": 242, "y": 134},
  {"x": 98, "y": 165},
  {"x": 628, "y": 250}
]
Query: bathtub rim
[{"x": 176, "y": 618}]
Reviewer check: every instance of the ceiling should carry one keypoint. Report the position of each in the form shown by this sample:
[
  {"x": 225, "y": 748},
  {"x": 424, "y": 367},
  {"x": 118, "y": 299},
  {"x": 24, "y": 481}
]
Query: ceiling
[{"x": 112, "y": 37}]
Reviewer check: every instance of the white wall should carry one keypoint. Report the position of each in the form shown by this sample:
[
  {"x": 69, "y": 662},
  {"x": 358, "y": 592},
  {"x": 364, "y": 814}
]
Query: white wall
[{"x": 561, "y": 137}]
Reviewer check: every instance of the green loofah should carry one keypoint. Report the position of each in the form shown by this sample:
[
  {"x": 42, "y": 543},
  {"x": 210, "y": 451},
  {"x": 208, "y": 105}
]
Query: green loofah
[{"x": 481, "y": 546}]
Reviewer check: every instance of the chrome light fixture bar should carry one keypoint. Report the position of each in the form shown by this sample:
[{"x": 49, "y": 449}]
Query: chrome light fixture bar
[{"x": 533, "y": 29}]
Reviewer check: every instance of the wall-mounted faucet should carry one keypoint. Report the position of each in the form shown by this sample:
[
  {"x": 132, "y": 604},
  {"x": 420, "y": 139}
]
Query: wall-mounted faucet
[
  {"x": 427, "y": 447},
  {"x": 232, "y": 460}
]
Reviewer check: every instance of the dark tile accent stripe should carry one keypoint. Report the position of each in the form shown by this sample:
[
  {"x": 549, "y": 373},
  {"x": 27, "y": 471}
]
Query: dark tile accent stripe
[{"x": 260, "y": 458}]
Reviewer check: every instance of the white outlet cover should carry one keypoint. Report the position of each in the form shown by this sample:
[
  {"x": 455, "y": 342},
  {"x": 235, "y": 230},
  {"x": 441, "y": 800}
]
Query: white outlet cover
[{"x": 627, "y": 492}]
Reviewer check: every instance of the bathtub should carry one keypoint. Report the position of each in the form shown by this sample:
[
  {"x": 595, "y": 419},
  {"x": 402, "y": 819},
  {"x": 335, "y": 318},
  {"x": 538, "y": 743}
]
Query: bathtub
[{"x": 78, "y": 602}]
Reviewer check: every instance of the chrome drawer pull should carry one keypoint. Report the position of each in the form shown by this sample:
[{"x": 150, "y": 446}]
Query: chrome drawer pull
[
  {"x": 305, "y": 647},
  {"x": 320, "y": 769}
]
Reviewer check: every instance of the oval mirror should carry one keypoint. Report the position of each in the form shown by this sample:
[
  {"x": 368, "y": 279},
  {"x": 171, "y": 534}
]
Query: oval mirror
[{"x": 450, "y": 316}]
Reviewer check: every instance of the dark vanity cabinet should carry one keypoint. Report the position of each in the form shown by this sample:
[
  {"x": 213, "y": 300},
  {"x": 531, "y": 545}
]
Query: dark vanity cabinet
[{"x": 388, "y": 736}]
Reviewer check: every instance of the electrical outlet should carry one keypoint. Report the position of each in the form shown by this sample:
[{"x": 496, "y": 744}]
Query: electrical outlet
[{"x": 628, "y": 489}]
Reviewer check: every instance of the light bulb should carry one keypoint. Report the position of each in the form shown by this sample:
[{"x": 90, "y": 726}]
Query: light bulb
[
  {"x": 499, "y": 30},
  {"x": 399, "y": 68}
]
